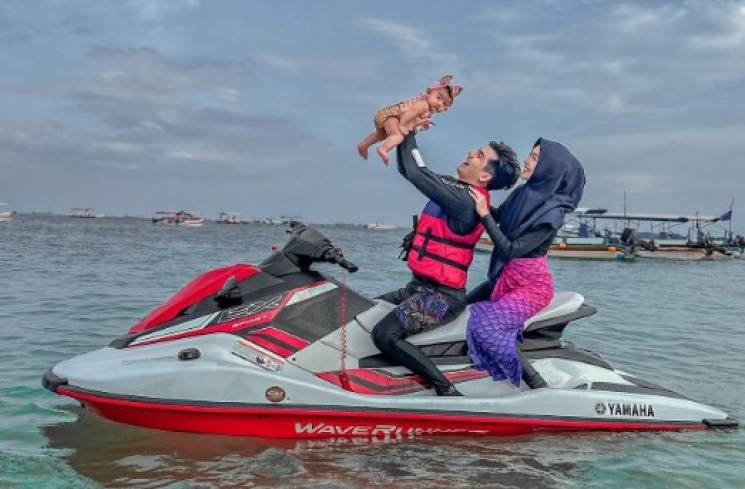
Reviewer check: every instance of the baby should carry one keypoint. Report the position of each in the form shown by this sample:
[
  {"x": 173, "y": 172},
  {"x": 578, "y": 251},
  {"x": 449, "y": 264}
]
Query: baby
[{"x": 392, "y": 123}]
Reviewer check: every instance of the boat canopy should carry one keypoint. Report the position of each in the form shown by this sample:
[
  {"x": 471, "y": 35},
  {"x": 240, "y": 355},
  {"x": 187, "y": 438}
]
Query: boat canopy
[{"x": 660, "y": 217}]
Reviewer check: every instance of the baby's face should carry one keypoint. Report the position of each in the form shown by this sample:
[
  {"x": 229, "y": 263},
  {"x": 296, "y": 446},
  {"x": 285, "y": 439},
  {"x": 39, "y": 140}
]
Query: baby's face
[{"x": 439, "y": 100}]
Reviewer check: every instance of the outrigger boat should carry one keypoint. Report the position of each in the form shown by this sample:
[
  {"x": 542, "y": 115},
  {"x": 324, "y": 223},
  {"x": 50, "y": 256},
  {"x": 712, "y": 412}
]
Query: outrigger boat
[
  {"x": 577, "y": 239},
  {"x": 280, "y": 350},
  {"x": 580, "y": 238}
]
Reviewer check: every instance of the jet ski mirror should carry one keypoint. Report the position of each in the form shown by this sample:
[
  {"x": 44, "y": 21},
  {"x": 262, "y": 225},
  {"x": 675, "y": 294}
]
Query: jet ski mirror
[{"x": 229, "y": 294}]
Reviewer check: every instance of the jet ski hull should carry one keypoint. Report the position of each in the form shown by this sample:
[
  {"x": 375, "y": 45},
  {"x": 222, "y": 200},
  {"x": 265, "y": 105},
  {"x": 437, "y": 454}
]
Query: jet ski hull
[
  {"x": 223, "y": 393},
  {"x": 339, "y": 421}
]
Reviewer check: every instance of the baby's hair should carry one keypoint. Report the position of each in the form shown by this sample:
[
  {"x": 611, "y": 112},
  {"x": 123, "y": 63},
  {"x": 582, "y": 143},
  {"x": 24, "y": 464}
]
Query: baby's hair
[{"x": 450, "y": 94}]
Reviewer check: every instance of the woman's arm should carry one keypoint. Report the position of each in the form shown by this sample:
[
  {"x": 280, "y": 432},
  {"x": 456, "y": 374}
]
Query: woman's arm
[
  {"x": 503, "y": 247},
  {"x": 522, "y": 246},
  {"x": 496, "y": 212}
]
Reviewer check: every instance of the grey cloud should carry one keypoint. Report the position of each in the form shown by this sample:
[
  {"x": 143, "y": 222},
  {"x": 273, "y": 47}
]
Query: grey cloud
[
  {"x": 13, "y": 32},
  {"x": 416, "y": 44},
  {"x": 157, "y": 10},
  {"x": 620, "y": 66},
  {"x": 676, "y": 170},
  {"x": 152, "y": 128}
]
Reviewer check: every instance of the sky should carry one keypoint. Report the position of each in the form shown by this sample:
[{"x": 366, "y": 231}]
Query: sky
[{"x": 134, "y": 106}]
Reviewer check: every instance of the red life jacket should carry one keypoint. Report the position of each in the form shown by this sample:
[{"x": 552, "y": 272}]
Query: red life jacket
[{"x": 440, "y": 254}]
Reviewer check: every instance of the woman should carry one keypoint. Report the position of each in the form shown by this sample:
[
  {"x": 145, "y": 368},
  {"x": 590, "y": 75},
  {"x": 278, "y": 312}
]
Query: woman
[{"x": 520, "y": 283}]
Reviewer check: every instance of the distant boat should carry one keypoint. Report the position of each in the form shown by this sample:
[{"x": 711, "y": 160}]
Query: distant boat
[
  {"x": 229, "y": 218},
  {"x": 178, "y": 218},
  {"x": 5, "y": 216},
  {"x": 380, "y": 226},
  {"x": 586, "y": 251},
  {"x": 278, "y": 221},
  {"x": 575, "y": 248},
  {"x": 82, "y": 213},
  {"x": 484, "y": 244}
]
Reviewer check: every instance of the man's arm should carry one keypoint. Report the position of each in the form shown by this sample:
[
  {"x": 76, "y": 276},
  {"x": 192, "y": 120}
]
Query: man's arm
[{"x": 453, "y": 198}]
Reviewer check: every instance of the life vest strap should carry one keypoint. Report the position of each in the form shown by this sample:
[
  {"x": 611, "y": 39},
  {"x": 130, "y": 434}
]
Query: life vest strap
[
  {"x": 449, "y": 242},
  {"x": 451, "y": 263}
]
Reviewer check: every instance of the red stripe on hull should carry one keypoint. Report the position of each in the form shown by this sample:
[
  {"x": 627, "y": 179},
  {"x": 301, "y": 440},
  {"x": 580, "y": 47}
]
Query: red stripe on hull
[
  {"x": 288, "y": 422},
  {"x": 384, "y": 384},
  {"x": 283, "y": 336},
  {"x": 272, "y": 347}
]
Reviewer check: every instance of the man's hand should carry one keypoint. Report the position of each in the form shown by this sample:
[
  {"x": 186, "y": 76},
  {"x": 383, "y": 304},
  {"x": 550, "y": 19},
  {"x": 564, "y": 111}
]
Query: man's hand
[{"x": 482, "y": 207}]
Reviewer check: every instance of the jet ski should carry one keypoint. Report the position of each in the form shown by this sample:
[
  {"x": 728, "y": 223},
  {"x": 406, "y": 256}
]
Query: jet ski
[{"x": 280, "y": 350}]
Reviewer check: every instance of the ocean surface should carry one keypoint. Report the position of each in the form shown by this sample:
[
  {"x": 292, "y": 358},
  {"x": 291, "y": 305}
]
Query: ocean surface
[{"x": 68, "y": 286}]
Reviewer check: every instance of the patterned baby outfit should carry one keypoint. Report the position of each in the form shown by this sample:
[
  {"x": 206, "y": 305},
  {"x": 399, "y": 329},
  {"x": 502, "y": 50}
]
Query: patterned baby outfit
[
  {"x": 397, "y": 109},
  {"x": 525, "y": 286},
  {"x": 394, "y": 110}
]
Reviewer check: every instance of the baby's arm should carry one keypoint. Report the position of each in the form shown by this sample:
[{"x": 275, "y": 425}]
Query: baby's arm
[{"x": 412, "y": 116}]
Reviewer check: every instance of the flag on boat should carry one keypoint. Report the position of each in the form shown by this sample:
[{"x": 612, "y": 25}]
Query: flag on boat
[{"x": 727, "y": 216}]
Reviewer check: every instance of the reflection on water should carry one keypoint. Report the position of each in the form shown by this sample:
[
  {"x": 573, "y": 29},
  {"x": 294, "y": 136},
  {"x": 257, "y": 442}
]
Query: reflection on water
[{"x": 118, "y": 455}]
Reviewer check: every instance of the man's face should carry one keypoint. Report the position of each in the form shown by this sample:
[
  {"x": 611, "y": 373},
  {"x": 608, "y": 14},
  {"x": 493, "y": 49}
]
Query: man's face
[{"x": 474, "y": 170}]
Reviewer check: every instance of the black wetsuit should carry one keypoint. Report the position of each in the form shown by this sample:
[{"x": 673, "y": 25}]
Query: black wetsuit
[{"x": 424, "y": 304}]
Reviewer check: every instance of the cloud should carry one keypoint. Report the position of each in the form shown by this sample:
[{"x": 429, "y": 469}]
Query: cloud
[
  {"x": 673, "y": 170},
  {"x": 155, "y": 10},
  {"x": 13, "y": 32},
  {"x": 153, "y": 110},
  {"x": 146, "y": 118},
  {"x": 629, "y": 65},
  {"x": 140, "y": 104},
  {"x": 415, "y": 44}
]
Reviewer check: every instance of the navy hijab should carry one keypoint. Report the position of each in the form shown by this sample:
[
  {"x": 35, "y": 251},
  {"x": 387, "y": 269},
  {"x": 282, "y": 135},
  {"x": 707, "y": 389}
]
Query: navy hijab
[{"x": 554, "y": 189}]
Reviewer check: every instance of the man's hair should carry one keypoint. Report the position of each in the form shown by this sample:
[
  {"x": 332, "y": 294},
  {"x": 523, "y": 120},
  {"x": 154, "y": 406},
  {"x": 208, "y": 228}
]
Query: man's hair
[{"x": 505, "y": 169}]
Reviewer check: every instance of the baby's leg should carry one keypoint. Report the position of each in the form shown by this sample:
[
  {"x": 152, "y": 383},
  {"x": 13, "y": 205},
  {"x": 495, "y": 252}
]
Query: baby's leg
[
  {"x": 372, "y": 138},
  {"x": 393, "y": 138}
]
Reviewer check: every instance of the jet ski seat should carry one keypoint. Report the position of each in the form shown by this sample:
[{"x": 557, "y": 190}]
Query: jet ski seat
[
  {"x": 542, "y": 330},
  {"x": 562, "y": 304}
]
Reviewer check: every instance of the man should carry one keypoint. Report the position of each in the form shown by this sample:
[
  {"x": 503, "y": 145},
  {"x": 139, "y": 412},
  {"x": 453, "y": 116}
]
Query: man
[{"x": 440, "y": 252}]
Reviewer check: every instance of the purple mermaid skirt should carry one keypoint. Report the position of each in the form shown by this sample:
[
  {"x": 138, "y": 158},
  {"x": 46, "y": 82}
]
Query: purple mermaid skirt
[{"x": 524, "y": 287}]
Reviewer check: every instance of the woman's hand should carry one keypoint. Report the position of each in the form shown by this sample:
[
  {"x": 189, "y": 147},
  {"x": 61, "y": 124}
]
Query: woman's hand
[{"x": 482, "y": 206}]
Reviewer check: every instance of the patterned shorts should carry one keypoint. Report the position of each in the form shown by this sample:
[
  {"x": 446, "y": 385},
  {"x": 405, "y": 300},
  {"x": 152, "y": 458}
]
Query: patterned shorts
[{"x": 424, "y": 310}]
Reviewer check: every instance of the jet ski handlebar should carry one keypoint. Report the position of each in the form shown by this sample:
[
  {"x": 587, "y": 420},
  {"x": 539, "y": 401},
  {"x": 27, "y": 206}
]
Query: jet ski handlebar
[
  {"x": 307, "y": 245},
  {"x": 334, "y": 255}
]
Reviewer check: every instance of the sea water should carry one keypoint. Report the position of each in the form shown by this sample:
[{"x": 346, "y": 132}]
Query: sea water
[{"x": 68, "y": 286}]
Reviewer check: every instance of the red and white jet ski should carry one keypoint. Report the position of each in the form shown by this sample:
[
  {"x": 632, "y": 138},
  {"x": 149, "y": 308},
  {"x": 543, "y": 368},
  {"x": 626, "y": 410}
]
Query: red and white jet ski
[{"x": 258, "y": 350}]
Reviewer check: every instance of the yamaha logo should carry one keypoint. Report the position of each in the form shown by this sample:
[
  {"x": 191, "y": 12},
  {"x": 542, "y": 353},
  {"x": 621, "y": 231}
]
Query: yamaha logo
[{"x": 625, "y": 409}]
